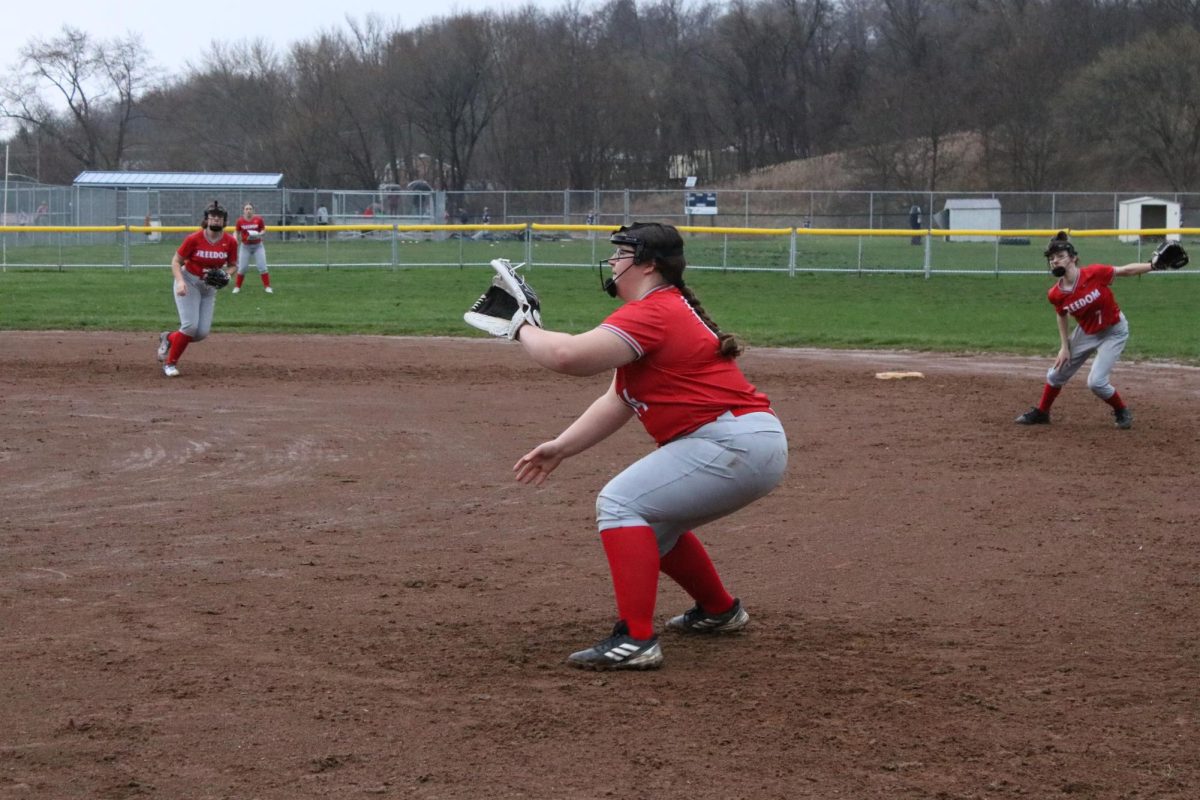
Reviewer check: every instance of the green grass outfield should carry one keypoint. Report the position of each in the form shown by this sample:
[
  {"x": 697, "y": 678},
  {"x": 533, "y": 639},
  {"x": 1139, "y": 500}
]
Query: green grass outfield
[{"x": 949, "y": 313}]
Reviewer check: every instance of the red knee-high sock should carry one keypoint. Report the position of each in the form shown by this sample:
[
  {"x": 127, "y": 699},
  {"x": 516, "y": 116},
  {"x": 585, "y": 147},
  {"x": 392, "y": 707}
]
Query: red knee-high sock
[
  {"x": 266, "y": 279},
  {"x": 1048, "y": 394},
  {"x": 633, "y": 561},
  {"x": 179, "y": 342},
  {"x": 238, "y": 283},
  {"x": 1115, "y": 401},
  {"x": 688, "y": 565}
]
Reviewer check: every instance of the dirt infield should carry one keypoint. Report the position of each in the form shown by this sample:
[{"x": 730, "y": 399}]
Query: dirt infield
[{"x": 302, "y": 569}]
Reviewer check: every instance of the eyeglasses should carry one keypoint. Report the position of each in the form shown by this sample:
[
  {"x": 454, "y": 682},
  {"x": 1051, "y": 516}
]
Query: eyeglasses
[{"x": 620, "y": 254}]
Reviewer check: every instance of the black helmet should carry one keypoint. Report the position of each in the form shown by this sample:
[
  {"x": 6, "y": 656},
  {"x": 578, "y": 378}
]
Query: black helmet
[
  {"x": 215, "y": 209},
  {"x": 649, "y": 240},
  {"x": 1059, "y": 243}
]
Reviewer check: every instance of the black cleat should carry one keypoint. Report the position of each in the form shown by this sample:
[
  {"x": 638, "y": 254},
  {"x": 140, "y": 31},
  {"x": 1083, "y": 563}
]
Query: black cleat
[
  {"x": 1124, "y": 418},
  {"x": 1034, "y": 416},
  {"x": 620, "y": 651},
  {"x": 697, "y": 620}
]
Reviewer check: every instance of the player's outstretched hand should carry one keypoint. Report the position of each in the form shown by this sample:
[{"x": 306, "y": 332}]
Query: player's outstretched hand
[{"x": 536, "y": 465}]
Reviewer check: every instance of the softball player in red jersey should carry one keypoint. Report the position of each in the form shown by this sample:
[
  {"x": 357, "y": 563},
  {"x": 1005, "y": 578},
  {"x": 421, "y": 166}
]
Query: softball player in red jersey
[
  {"x": 250, "y": 230},
  {"x": 208, "y": 247},
  {"x": 1101, "y": 328},
  {"x": 720, "y": 447}
]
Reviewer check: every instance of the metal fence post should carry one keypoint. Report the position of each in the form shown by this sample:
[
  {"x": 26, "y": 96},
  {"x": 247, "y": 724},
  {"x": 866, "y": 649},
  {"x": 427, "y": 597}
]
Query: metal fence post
[
  {"x": 395, "y": 247},
  {"x": 529, "y": 243},
  {"x": 125, "y": 248},
  {"x": 928, "y": 250},
  {"x": 792, "y": 255}
]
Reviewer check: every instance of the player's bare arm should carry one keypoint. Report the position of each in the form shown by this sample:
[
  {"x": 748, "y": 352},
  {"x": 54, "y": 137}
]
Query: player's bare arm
[
  {"x": 1064, "y": 339},
  {"x": 1137, "y": 268},
  {"x": 583, "y": 354},
  {"x": 177, "y": 271},
  {"x": 602, "y": 418}
]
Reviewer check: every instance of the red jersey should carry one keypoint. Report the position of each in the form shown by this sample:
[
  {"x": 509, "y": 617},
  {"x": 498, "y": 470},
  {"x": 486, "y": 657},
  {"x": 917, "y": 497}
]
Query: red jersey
[
  {"x": 679, "y": 380},
  {"x": 1091, "y": 302},
  {"x": 198, "y": 253},
  {"x": 247, "y": 226}
]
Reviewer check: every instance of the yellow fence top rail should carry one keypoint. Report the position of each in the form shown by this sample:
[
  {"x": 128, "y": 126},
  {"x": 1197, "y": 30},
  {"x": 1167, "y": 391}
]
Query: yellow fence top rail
[{"x": 695, "y": 229}]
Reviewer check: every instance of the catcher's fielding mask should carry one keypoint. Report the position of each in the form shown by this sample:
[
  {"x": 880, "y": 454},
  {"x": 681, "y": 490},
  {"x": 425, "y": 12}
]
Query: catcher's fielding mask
[
  {"x": 622, "y": 240},
  {"x": 649, "y": 241},
  {"x": 1061, "y": 243},
  {"x": 215, "y": 217}
]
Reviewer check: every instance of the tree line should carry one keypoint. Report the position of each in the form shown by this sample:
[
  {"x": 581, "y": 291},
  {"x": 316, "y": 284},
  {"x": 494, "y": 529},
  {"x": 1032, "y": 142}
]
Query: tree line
[{"x": 1045, "y": 94}]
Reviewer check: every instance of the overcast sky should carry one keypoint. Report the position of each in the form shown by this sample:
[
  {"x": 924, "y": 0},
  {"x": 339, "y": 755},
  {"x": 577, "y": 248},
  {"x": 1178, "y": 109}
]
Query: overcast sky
[{"x": 177, "y": 31}]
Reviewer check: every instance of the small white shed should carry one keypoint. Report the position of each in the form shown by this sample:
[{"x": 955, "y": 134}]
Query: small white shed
[
  {"x": 970, "y": 213},
  {"x": 1147, "y": 212}
]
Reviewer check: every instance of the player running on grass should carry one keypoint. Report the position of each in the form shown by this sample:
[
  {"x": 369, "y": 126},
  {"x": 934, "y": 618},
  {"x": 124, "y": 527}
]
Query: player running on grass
[
  {"x": 1101, "y": 328},
  {"x": 720, "y": 446},
  {"x": 207, "y": 250}
]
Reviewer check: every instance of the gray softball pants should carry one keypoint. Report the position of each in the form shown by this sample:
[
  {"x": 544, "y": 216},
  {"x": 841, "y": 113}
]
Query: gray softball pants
[
  {"x": 1107, "y": 345},
  {"x": 705, "y": 475},
  {"x": 195, "y": 307},
  {"x": 260, "y": 257}
]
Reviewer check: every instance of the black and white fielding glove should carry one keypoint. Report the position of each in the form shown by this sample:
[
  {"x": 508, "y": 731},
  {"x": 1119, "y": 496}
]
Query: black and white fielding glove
[
  {"x": 1169, "y": 255},
  {"x": 508, "y": 305}
]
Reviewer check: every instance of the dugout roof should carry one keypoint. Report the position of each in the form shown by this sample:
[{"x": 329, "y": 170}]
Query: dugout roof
[{"x": 179, "y": 180}]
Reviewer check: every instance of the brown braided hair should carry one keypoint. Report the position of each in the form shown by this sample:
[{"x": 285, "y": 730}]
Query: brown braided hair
[{"x": 664, "y": 245}]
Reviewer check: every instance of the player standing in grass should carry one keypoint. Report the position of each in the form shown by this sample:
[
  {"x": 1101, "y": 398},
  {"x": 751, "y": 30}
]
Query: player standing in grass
[
  {"x": 720, "y": 446},
  {"x": 1101, "y": 328},
  {"x": 250, "y": 230},
  {"x": 208, "y": 249}
]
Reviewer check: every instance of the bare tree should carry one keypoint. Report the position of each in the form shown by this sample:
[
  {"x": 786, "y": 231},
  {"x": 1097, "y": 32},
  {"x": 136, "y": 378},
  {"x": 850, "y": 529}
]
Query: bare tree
[
  {"x": 1145, "y": 112},
  {"x": 912, "y": 104},
  {"x": 80, "y": 93},
  {"x": 455, "y": 88}
]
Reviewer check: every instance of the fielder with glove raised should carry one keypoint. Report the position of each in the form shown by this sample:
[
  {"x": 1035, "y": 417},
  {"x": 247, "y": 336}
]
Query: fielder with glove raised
[
  {"x": 250, "y": 229},
  {"x": 1101, "y": 328},
  {"x": 201, "y": 268},
  {"x": 719, "y": 444}
]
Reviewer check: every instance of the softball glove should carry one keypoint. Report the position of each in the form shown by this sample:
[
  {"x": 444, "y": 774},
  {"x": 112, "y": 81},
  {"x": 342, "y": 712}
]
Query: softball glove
[
  {"x": 508, "y": 305},
  {"x": 1169, "y": 255},
  {"x": 216, "y": 277}
]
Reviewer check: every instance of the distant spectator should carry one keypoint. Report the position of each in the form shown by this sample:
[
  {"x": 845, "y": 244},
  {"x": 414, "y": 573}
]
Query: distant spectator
[
  {"x": 323, "y": 219},
  {"x": 301, "y": 219},
  {"x": 486, "y": 219},
  {"x": 914, "y": 222},
  {"x": 463, "y": 216}
]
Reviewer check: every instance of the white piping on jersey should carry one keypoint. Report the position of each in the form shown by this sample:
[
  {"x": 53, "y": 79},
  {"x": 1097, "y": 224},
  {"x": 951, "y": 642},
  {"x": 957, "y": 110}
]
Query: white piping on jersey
[{"x": 633, "y": 343}]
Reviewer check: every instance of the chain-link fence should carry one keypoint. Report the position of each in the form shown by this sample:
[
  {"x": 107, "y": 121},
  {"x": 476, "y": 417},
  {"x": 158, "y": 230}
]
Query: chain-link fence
[{"x": 388, "y": 219}]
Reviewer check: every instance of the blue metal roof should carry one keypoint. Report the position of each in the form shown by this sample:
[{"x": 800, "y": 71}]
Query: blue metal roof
[{"x": 180, "y": 180}]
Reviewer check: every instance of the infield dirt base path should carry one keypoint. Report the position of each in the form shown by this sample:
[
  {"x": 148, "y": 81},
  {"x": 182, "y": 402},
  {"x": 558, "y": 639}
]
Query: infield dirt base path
[{"x": 303, "y": 569}]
